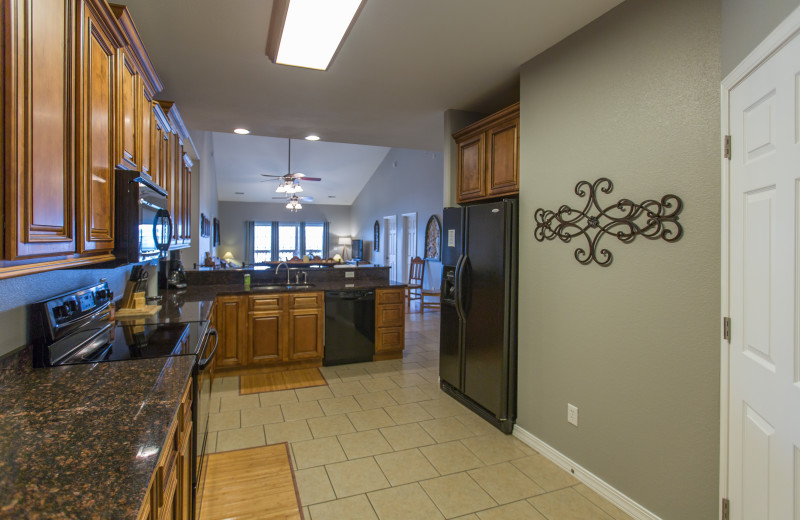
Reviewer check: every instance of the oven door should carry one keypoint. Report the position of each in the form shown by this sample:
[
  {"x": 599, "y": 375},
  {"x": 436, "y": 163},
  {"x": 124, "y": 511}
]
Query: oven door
[{"x": 204, "y": 379}]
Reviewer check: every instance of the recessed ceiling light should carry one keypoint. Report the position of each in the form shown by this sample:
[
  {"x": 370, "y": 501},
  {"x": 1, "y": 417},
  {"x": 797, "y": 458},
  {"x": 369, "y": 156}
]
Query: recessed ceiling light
[
  {"x": 241, "y": 131},
  {"x": 312, "y": 137},
  {"x": 309, "y": 33}
]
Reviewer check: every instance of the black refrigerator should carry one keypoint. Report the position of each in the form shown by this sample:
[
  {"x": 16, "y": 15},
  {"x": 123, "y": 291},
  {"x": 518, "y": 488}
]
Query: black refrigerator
[{"x": 478, "y": 335}]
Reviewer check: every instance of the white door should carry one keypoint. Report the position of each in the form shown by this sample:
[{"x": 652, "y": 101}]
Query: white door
[
  {"x": 764, "y": 356},
  {"x": 390, "y": 249},
  {"x": 409, "y": 242}
]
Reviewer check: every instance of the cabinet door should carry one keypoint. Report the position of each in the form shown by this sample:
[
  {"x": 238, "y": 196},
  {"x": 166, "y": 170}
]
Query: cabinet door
[
  {"x": 185, "y": 477},
  {"x": 471, "y": 163},
  {"x": 128, "y": 113},
  {"x": 147, "y": 118},
  {"x": 266, "y": 337},
  {"x": 389, "y": 338},
  {"x": 390, "y": 316},
  {"x": 186, "y": 209},
  {"x": 230, "y": 318},
  {"x": 96, "y": 136},
  {"x": 503, "y": 159},
  {"x": 306, "y": 329},
  {"x": 38, "y": 122}
]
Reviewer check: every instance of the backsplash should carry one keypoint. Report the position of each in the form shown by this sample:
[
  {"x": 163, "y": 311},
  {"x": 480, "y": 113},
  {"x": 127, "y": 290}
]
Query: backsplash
[{"x": 17, "y": 293}]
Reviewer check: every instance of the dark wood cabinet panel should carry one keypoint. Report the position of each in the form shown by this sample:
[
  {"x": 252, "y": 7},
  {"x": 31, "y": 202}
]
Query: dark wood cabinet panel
[
  {"x": 231, "y": 316},
  {"x": 488, "y": 157},
  {"x": 392, "y": 315},
  {"x": 38, "y": 127},
  {"x": 266, "y": 337},
  {"x": 503, "y": 174},
  {"x": 471, "y": 173},
  {"x": 306, "y": 330}
]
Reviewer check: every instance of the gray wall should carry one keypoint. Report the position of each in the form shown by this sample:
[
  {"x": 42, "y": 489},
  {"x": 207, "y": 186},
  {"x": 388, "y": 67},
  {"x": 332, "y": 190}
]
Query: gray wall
[
  {"x": 633, "y": 96},
  {"x": 407, "y": 181},
  {"x": 17, "y": 293},
  {"x": 204, "y": 198},
  {"x": 233, "y": 216},
  {"x": 745, "y": 23}
]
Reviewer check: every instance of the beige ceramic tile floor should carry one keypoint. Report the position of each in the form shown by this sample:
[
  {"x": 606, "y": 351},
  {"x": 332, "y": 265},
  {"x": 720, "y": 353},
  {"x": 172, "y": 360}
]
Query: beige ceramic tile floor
[{"x": 382, "y": 441}]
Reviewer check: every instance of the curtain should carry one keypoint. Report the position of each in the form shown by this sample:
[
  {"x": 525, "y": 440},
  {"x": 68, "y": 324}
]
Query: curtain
[{"x": 249, "y": 241}]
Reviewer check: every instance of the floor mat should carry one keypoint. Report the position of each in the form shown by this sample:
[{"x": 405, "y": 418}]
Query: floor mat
[
  {"x": 287, "y": 380},
  {"x": 256, "y": 483}
]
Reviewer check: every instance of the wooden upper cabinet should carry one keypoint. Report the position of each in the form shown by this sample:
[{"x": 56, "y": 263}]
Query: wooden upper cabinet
[
  {"x": 38, "y": 127},
  {"x": 159, "y": 156},
  {"x": 488, "y": 157},
  {"x": 176, "y": 178},
  {"x": 100, "y": 38},
  {"x": 137, "y": 85},
  {"x": 128, "y": 155}
]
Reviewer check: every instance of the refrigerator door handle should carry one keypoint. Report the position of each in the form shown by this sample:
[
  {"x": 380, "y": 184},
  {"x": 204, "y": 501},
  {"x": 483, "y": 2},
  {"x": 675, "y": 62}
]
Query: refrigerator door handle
[{"x": 459, "y": 287}]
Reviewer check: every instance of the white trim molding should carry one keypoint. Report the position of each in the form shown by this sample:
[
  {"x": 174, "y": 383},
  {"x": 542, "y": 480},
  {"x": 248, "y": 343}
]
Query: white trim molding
[{"x": 592, "y": 481}]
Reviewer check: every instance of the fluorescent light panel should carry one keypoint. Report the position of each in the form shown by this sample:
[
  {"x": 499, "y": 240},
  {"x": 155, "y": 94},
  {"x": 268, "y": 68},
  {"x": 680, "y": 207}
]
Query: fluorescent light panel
[{"x": 313, "y": 31}]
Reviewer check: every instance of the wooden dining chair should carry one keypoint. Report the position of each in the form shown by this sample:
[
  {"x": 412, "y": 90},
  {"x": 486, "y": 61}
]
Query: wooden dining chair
[{"x": 415, "y": 273}]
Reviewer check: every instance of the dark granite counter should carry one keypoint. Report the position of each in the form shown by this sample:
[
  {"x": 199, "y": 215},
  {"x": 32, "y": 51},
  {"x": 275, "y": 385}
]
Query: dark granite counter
[{"x": 83, "y": 441}]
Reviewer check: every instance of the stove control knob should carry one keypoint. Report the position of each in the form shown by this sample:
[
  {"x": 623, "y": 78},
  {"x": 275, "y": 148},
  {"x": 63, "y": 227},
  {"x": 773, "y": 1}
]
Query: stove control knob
[
  {"x": 71, "y": 306},
  {"x": 101, "y": 295},
  {"x": 61, "y": 311}
]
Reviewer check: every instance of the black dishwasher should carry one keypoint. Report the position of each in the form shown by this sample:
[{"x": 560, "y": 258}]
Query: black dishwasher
[{"x": 349, "y": 327}]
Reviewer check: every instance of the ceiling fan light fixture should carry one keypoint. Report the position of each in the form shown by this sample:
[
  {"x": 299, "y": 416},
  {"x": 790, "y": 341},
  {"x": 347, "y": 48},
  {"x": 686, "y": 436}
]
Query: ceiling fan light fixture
[{"x": 309, "y": 33}]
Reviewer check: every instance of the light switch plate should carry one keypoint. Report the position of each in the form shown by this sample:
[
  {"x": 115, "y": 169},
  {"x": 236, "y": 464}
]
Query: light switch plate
[{"x": 349, "y": 274}]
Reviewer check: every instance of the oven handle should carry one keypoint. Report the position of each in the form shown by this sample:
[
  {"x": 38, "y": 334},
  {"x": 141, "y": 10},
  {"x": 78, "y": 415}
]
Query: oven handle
[{"x": 204, "y": 362}]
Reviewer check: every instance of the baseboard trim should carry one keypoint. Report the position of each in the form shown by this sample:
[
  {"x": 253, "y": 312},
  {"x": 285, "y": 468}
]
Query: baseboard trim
[{"x": 591, "y": 480}]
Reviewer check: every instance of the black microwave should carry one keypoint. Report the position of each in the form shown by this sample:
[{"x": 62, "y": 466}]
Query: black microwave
[{"x": 143, "y": 224}]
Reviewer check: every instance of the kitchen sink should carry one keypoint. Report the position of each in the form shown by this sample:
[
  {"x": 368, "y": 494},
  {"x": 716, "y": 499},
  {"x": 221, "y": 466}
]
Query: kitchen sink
[{"x": 283, "y": 287}]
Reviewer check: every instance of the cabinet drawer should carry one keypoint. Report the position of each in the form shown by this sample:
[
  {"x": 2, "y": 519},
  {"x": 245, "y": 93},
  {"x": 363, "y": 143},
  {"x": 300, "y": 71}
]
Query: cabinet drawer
[
  {"x": 390, "y": 316},
  {"x": 265, "y": 303},
  {"x": 305, "y": 300},
  {"x": 384, "y": 296},
  {"x": 389, "y": 338}
]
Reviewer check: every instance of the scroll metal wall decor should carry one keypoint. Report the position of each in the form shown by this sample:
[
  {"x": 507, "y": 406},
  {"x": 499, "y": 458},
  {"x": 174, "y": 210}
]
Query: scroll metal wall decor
[{"x": 659, "y": 220}]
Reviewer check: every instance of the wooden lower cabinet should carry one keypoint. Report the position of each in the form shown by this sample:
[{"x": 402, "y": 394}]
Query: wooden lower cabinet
[
  {"x": 271, "y": 330},
  {"x": 390, "y": 323},
  {"x": 169, "y": 496},
  {"x": 231, "y": 325},
  {"x": 306, "y": 332},
  {"x": 266, "y": 337}
]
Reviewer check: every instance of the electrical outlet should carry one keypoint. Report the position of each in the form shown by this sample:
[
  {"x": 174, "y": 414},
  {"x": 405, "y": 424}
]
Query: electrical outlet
[
  {"x": 349, "y": 274},
  {"x": 572, "y": 414}
]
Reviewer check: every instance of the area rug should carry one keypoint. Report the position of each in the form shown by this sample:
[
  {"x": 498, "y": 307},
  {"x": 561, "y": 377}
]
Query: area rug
[
  {"x": 256, "y": 483},
  {"x": 286, "y": 380}
]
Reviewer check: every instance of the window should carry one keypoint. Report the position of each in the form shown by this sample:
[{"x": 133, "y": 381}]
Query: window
[
  {"x": 314, "y": 233},
  {"x": 262, "y": 243},
  {"x": 282, "y": 241},
  {"x": 288, "y": 240}
]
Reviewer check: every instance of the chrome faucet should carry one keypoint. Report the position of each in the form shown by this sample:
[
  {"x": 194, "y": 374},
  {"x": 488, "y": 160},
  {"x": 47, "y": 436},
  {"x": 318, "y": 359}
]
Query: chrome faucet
[{"x": 288, "y": 281}]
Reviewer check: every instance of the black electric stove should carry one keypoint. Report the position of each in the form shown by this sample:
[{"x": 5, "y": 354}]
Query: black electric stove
[{"x": 74, "y": 328}]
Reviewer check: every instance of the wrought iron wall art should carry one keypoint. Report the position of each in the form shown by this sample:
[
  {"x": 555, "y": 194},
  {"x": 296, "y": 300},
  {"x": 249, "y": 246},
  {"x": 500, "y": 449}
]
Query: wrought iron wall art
[
  {"x": 659, "y": 220},
  {"x": 376, "y": 242}
]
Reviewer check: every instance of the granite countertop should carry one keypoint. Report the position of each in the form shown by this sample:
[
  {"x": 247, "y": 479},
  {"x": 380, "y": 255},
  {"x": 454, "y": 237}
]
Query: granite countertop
[
  {"x": 204, "y": 295},
  {"x": 83, "y": 441}
]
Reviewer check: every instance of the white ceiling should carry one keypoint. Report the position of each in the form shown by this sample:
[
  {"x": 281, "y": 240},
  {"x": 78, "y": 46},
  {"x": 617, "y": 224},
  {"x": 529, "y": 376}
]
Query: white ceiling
[
  {"x": 241, "y": 159},
  {"x": 404, "y": 63}
]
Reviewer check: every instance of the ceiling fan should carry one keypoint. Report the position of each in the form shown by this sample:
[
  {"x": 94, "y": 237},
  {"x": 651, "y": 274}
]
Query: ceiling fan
[
  {"x": 290, "y": 182},
  {"x": 293, "y": 202}
]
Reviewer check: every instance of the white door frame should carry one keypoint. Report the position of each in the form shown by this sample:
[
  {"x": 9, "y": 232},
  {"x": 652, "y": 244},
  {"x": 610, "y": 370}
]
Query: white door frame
[
  {"x": 771, "y": 44},
  {"x": 388, "y": 244},
  {"x": 407, "y": 246}
]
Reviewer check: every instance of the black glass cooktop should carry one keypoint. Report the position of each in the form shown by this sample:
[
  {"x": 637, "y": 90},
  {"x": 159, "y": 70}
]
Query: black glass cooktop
[{"x": 138, "y": 341}]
